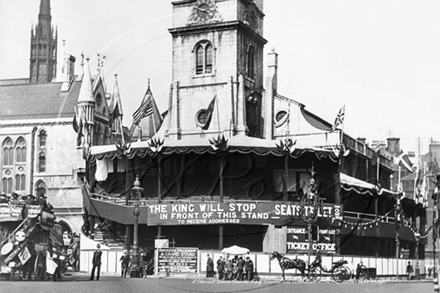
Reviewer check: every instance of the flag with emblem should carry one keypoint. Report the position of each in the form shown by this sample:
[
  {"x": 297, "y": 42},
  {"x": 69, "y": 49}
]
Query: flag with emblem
[{"x": 339, "y": 120}]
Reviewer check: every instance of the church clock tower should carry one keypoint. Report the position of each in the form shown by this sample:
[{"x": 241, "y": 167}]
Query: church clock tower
[
  {"x": 43, "y": 61},
  {"x": 217, "y": 68}
]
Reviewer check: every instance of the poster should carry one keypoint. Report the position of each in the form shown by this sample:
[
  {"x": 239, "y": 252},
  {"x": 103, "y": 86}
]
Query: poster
[{"x": 177, "y": 260}]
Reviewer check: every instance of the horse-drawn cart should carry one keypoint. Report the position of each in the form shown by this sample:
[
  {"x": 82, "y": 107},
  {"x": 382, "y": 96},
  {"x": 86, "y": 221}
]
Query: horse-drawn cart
[{"x": 26, "y": 240}]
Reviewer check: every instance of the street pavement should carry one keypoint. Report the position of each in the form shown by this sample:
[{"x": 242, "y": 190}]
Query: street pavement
[{"x": 79, "y": 283}]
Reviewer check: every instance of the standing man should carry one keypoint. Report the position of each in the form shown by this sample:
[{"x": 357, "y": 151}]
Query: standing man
[
  {"x": 96, "y": 263},
  {"x": 143, "y": 264},
  {"x": 125, "y": 261},
  {"x": 220, "y": 268},
  {"x": 209, "y": 267},
  {"x": 249, "y": 267},
  {"x": 409, "y": 270},
  {"x": 240, "y": 267}
]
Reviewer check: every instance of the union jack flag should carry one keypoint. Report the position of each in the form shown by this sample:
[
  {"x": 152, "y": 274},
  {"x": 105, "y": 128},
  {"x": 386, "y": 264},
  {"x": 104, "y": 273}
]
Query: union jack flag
[{"x": 339, "y": 120}]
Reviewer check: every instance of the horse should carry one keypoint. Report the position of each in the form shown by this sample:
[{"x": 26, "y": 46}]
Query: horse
[{"x": 287, "y": 263}]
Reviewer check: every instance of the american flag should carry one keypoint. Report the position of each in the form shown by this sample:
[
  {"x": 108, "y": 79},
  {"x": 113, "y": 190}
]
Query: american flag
[
  {"x": 339, "y": 120},
  {"x": 144, "y": 110}
]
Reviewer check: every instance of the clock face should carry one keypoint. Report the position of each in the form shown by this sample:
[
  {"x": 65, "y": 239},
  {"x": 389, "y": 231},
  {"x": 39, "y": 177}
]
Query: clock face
[{"x": 203, "y": 10}]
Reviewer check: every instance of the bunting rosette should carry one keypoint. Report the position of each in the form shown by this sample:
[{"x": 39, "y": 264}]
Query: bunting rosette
[
  {"x": 219, "y": 144},
  {"x": 156, "y": 145},
  {"x": 286, "y": 147}
]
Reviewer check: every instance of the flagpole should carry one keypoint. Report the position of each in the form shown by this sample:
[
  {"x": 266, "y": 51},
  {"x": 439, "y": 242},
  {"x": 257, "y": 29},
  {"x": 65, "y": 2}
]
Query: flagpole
[
  {"x": 342, "y": 130},
  {"x": 154, "y": 122},
  {"x": 218, "y": 115},
  {"x": 122, "y": 131}
]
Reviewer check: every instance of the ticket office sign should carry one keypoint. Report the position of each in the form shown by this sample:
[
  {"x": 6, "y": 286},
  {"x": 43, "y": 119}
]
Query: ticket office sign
[
  {"x": 177, "y": 260},
  {"x": 247, "y": 213},
  {"x": 324, "y": 238}
]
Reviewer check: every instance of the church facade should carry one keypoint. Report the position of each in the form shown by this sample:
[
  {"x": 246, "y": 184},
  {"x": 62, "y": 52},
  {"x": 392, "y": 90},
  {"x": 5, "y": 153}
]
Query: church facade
[{"x": 41, "y": 154}]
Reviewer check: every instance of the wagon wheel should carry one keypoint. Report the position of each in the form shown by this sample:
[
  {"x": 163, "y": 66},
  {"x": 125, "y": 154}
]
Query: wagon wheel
[
  {"x": 315, "y": 274},
  {"x": 40, "y": 267},
  {"x": 340, "y": 274}
]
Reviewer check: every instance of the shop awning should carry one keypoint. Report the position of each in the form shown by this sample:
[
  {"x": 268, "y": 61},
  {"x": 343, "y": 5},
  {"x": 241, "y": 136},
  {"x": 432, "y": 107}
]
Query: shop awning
[
  {"x": 235, "y": 250},
  {"x": 350, "y": 183}
]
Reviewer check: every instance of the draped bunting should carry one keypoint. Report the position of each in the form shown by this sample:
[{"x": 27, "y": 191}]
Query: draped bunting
[
  {"x": 242, "y": 145},
  {"x": 200, "y": 150}
]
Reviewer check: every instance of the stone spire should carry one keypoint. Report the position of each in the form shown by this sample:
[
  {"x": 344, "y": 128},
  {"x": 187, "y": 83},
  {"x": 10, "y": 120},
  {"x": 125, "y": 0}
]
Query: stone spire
[{"x": 43, "y": 59}]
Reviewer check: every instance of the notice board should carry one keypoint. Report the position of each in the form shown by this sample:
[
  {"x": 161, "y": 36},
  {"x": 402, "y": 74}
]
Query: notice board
[{"x": 177, "y": 260}]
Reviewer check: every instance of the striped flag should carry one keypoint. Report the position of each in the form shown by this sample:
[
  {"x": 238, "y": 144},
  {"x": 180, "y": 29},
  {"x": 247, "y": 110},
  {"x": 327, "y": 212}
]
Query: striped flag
[
  {"x": 339, "y": 120},
  {"x": 144, "y": 110}
]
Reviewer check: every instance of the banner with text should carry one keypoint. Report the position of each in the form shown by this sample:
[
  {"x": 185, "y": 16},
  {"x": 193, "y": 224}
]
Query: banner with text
[
  {"x": 324, "y": 238},
  {"x": 15, "y": 212},
  {"x": 177, "y": 260},
  {"x": 247, "y": 213}
]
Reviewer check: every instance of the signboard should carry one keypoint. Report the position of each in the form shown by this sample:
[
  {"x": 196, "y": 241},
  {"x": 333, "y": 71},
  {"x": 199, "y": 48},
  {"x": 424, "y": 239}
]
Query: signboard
[
  {"x": 161, "y": 243},
  {"x": 177, "y": 260},
  {"x": 247, "y": 213},
  {"x": 33, "y": 211},
  {"x": 5, "y": 211},
  {"x": 324, "y": 238},
  {"x": 15, "y": 211}
]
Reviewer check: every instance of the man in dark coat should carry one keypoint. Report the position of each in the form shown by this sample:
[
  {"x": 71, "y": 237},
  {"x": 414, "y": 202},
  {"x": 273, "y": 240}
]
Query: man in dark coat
[
  {"x": 30, "y": 200},
  {"x": 125, "y": 263},
  {"x": 249, "y": 267},
  {"x": 220, "y": 268},
  {"x": 240, "y": 267},
  {"x": 96, "y": 261},
  {"x": 209, "y": 267}
]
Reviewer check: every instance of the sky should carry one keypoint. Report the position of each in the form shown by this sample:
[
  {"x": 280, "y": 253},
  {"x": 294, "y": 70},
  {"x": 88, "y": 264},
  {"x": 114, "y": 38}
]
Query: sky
[{"x": 379, "y": 58}]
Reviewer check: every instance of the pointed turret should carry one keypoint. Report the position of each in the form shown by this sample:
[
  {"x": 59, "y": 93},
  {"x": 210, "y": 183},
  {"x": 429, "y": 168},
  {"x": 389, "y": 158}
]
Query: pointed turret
[
  {"x": 86, "y": 106},
  {"x": 43, "y": 59},
  {"x": 115, "y": 110},
  {"x": 86, "y": 92},
  {"x": 115, "y": 106}
]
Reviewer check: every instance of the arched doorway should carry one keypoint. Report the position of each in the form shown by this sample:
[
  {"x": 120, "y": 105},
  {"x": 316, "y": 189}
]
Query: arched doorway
[{"x": 40, "y": 188}]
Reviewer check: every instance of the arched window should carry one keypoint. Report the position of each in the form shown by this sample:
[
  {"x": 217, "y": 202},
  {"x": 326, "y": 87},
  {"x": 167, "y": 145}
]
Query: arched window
[
  {"x": 42, "y": 162},
  {"x": 204, "y": 57},
  {"x": 20, "y": 149},
  {"x": 20, "y": 182},
  {"x": 199, "y": 60},
  {"x": 208, "y": 58},
  {"x": 7, "y": 185},
  {"x": 250, "y": 70},
  {"x": 8, "y": 152},
  {"x": 42, "y": 137}
]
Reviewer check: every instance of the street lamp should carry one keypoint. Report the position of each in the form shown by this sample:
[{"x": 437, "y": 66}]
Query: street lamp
[
  {"x": 397, "y": 215},
  {"x": 417, "y": 237},
  {"x": 310, "y": 206},
  {"x": 137, "y": 194}
]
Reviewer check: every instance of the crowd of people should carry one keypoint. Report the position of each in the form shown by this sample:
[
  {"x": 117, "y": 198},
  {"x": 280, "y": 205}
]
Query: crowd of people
[
  {"x": 235, "y": 268},
  {"x": 25, "y": 200}
]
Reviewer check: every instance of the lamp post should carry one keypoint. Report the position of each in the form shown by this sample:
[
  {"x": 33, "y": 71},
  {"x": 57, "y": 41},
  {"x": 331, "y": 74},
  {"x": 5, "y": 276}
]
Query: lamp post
[
  {"x": 137, "y": 193},
  {"x": 310, "y": 206},
  {"x": 417, "y": 237},
  {"x": 397, "y": 211}
]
